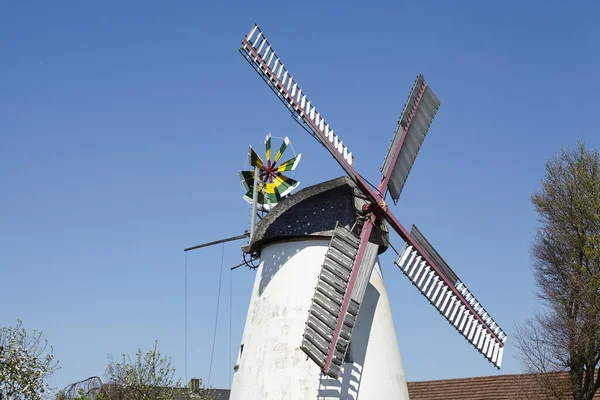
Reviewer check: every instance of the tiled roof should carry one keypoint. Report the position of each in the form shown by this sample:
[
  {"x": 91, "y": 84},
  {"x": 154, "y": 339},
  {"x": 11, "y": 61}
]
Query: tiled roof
[{"x": 499, "y": 387}]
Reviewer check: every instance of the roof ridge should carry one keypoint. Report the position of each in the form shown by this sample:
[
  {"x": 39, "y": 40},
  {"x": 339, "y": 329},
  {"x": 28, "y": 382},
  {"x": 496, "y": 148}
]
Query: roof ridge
[{"x": 489, "y": 376}]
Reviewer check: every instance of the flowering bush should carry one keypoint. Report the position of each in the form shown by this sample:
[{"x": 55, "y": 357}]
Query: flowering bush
[
  {"x": 26, "y": 362},
  {"x": 148, "y": 376}
]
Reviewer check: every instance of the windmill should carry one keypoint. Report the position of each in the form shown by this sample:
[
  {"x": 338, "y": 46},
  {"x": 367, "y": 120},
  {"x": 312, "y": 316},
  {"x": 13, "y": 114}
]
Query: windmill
[{"x": 350, "y": 256}]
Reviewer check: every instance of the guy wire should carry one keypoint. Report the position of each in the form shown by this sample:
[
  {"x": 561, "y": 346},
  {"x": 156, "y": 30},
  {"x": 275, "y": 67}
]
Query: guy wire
[
  {"x": 217, "y": 315},
  {"x": 185, "y": 318},
  {"x": 230, "y": 307}
]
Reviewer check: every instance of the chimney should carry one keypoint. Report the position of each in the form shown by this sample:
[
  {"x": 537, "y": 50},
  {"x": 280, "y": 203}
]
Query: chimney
[{"x": 195, "y": 385}]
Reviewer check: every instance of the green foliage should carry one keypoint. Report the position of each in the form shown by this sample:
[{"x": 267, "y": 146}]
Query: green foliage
[
  {"x": 82, "y": 396},
  {"x": 566, "y": 265},
  {"x": 26, "y": 363},
  {"x": 147, "y": 376}
]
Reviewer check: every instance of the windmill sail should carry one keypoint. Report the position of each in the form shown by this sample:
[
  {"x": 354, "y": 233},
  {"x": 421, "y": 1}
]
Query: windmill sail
[
  {"x": 416, "y": 118},
  {"x": 257, "y": 50},
  {"x": 449, "y": 295},
  {"x": 326, "y": 306}
]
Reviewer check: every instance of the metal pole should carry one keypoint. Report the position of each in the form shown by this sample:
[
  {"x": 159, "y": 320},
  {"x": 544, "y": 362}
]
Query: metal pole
[
  {"x": 254, "y": 201},
  {"x": 245, "y": 235}
]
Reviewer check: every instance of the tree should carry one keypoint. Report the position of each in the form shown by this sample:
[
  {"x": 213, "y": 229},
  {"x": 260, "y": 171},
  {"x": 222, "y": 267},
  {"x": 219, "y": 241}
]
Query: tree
[
  {"x": 565, "y": 335},
  {"x": 26, "y": 363},
  {"x": 148, "y": 376}
]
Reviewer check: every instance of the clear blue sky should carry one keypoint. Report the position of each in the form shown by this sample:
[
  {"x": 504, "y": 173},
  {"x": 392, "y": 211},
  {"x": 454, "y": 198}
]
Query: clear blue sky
[{"x": 123, "y": 126}]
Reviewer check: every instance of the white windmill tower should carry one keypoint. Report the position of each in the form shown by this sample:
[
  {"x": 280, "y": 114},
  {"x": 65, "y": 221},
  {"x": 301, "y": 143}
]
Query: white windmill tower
[{"x": 319, "y": 293}]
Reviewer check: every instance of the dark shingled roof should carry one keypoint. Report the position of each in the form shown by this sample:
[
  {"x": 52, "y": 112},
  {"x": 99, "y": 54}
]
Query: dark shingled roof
[{"x": 327, "y": 203}]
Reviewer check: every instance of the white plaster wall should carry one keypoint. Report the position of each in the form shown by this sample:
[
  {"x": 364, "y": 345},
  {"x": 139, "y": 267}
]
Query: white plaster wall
[{"x": 272, "y": 366}]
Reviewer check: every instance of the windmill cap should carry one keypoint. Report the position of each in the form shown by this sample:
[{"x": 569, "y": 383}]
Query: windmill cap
[{"x": 312, "y": 213}]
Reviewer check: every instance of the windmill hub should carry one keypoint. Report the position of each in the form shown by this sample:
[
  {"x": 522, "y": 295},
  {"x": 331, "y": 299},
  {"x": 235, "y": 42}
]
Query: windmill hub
[
  {"x": 268, "y": 172},
  {"x": 376, "y": 209},
  {"x": 384, "y": 206}
]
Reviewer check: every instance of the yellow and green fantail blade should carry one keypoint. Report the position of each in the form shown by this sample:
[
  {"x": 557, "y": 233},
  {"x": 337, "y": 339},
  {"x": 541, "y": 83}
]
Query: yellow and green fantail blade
[
  {"x": 290, "y": 164},
  {"x": 272, "y": 184},
  {"x": 254, "y": 159},
  {"x": 268, "y": 147},
  {"x": 282, "y": 148}
]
